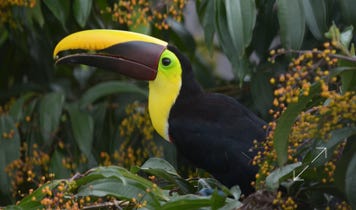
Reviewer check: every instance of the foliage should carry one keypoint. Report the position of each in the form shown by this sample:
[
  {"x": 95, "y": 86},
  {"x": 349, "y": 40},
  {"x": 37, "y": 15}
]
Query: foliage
[
  {"x": 117, "y": 187},
  {"x": 308, "y": 138},
  {"x": 56, "y": 121}
]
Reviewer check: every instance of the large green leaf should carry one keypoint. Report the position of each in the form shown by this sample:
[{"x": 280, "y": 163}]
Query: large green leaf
[
  {"x": 56, "y": 165},
  {"x": 241, "y": 17},
  {"x": 192, "y": 202},
  {"x": 162, "y": 169},
  {"x": 158, "y": 163},
  {"x": 60, "y": 9},
  {"x": 119, "y": 182},
  {"x": 350, "y": 181},
  {"x": 82, "y": 125},
  {"x": 234, "y": 23},
  {"x": 348, "y": 79},
  {"x": 342, "y": 172},
  {"x": 315, "y": 17},
  {"x": 318, "y": 157},
  {"x": 118, "y": 189},
  {"x": 261, "y": 92},
  {"x": 223, "y": 34},
  {"x": 274, "y": 178},
  {"x": 4, "y": 35},
  {"x": 108, "y": 88},
  {"x": 205, "y": 10},
  {"x": 182, "y": 37},
  {"x": 340, "y": 135},
  {"x": 50, "y": 109},
  {"x": 348, "y": 11},
  {"x": 286, "y": 121},
  {"x": 36, "y": 14},
  {"x": 9, "y": 149},
  {"x": 16, "y": 110},
  {"x": 122, "y": 175},
  {"x": 346, "y": 36},
  {"x": 81, "y": 10},
  {"x": 222, "y": 29},
  {"x": 30, "y": 203},
  {"x": 292, "y": 23}
]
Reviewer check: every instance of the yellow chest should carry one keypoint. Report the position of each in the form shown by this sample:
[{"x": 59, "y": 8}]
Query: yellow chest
[{"x": 163, "y": 92}]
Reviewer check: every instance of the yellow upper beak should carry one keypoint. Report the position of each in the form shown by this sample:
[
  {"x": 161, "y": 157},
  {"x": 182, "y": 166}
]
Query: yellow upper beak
[
  {"x": 128, "y": 53},
  {"x": 99, "y": 39}
]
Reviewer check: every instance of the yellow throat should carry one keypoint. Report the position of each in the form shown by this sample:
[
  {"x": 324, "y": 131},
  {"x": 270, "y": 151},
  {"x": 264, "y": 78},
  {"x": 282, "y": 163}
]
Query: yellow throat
[{"x": 163, "y": 92}]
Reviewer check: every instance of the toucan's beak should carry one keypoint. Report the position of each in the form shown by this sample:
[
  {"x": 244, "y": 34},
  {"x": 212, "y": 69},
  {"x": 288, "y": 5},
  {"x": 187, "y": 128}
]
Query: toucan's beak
[{"x": 131, "y": 54}]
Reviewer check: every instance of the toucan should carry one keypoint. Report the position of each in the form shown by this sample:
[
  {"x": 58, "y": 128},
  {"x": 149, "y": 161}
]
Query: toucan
[{"x": 212, "y": 131}]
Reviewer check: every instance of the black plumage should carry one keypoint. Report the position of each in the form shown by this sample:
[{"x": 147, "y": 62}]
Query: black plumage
[{"x": 214, "y": 131}]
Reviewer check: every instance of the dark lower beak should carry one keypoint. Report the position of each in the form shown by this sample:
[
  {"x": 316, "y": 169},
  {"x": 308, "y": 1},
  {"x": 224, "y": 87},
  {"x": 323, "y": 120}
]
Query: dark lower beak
[{"x": 138, "y": 60}]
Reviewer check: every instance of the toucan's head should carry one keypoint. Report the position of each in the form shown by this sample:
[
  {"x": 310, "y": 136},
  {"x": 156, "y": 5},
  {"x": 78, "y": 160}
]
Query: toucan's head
[{"x": 137, "y": 56}]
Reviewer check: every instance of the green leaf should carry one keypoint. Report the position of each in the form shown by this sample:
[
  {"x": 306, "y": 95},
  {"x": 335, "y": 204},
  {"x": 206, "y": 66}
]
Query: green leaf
[
  {"x": 108, "y": 88},
  {"x": 342, "y": 166},
  {"x": 29, "y": 203},
  {"x": 36, "y": 14},
  {"x": 158, "y": 163},
  {"x": 9, "y": 149},
  {"x": 350, "y": 182},
  {"x": 348, "y": 81},
  {"x": 234, "y": 23},
  {"x": 16, "y": 110},
  {"x": 225, "y": 40},
  {"x": 222, "y": 30},
  {"x": 261, "y": 92},
  {"x": 4, "y": 35},
  {"x": 346, "y": 36},
  {"x": 348, "y": 11},
  {"x": 241, "y": 17},
  {"x": 121, "y": 190},
  {"x": 233, "y": 203},
  {"x": 60, "y": 9},
  {"x": 187, "y": 202},
  {"x": 205, "y": 9},
  {"x": 141, "y": 28},
  {"x": 82, "y": 125},
  {"x": 292, "y": 23},
  {"x": 217, "y": 200},
  {"x": 81, "y": 10},
  {"x": 315, "y": 17},
  {"x": 182, "y": 37},
  {"x": 162, "y": 169},
  {"x": 57, "y": 167},
  {"x": 342, "y": 174},
  {"x": 50, "y": 109},
  {"x": 13, "y": 207},
  {"x": 123, "y": 176},
  {"x": 274, "y": 178},
  {"x": 236, "y": 192},
  {"x": 340, "y": 135},
  {"x": 119, "y": 182},
  {"x": 286, "y": 121}
]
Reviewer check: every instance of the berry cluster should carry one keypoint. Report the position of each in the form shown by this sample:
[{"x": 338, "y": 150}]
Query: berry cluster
[
  {"x": 139, "y": 12},
  {"x": 330, "y": 109},
  {"x": 6, "y": 16}
]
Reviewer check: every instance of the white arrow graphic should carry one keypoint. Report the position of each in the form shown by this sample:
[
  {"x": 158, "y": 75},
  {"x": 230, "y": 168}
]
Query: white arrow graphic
[
  {"x": 323, "y": 150},
  {"x": 297, "y": 178}
]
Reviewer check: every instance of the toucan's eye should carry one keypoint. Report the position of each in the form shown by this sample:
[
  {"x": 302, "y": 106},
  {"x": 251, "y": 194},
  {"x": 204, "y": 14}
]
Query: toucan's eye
[{"x": 166, "y": 61}]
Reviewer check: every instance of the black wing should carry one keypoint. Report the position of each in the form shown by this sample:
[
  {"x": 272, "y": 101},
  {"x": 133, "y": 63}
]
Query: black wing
[{"x": 216, "y": 133}]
